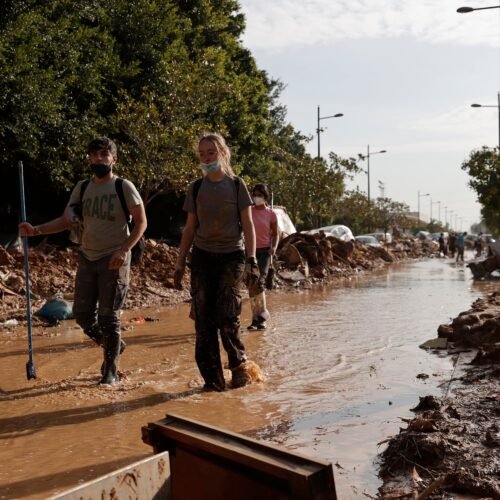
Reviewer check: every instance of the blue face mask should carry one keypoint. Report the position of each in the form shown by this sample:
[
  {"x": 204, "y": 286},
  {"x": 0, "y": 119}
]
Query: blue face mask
[{"x": 210, "y": 167}]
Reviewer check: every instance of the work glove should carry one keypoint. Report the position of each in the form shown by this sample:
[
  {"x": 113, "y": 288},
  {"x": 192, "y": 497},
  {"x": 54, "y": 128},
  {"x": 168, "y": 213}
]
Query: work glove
[
  {"x": 180, "y": 267},
  {"x": 252, "y": 273}
]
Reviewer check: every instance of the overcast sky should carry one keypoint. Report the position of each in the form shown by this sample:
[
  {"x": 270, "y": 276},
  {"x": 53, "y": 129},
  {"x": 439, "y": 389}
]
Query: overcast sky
[{"x": 404, "y": 73}]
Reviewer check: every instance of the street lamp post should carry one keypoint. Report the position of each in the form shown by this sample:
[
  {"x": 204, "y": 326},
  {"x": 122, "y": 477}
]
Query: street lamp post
[
  {"x": 368, "y": 154},
  {"x": 319, "y": 129},
  {"x": 435, "y": 203},
  {"x": 418, "y": 213},
  {"x": 492, "y": 106},
  {"x": 465, "y": 10},
  {"x": 445, "y": 215}
]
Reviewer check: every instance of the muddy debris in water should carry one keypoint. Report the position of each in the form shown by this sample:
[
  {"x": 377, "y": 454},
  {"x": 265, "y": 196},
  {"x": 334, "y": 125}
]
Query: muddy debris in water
[
  {"x": 453, "y": 443},
  {"x": 485, "y": 269},
  {"x": 302, "y": 260}
]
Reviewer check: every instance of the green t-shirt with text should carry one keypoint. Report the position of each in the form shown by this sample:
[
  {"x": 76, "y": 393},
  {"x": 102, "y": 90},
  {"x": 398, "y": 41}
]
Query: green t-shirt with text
[{"x": 104, "y": 224}]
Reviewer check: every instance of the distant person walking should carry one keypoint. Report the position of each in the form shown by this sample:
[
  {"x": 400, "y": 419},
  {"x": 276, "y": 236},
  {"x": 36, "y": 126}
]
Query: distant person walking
[
  {"x": 478, "y": 245},
  {"x": 267, "y": 239},
  {"x": 452, "y": 244},
  {"x": 218, "y": 207},
  {"x": 461, "y": 246},
  {"x": 442, "y": 245},
  {"x": 103, "y": 274}
]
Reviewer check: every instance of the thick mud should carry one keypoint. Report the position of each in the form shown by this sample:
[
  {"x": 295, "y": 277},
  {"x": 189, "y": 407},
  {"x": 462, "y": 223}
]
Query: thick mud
[
  {"x": 451, "y": 448},
  {"x": 337, "y": 381}
]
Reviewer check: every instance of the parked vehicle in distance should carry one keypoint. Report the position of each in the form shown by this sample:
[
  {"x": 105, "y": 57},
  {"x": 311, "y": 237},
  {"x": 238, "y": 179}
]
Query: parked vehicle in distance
[
  {"x": 423, "y": 235},
  {"x": 368, "y": 239},
  {"x": 285, "y": 224},
  {"x": 338, "y": 230},
  {"x": 381, "y": 237}
]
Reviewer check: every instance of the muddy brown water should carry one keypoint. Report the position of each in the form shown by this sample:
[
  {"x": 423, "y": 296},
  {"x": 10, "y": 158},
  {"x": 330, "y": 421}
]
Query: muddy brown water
[{"x": 341, "y": 365}]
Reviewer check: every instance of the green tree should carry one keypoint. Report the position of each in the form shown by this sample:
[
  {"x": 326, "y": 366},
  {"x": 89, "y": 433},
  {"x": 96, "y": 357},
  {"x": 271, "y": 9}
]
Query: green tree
[
  {"x": 387, "y": 212},
  {"x": 483, "y": 167}
]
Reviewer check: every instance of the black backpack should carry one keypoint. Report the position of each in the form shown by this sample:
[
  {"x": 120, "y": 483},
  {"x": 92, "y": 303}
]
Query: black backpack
[{"x": 138, "y": 249}]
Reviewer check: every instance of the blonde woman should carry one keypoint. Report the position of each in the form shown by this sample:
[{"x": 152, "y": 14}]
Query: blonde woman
[{"x": 218, "y": 210}]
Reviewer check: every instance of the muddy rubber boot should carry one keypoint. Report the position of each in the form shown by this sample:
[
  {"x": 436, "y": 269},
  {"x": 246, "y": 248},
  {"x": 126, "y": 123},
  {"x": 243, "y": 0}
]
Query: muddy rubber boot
[
  {"x": 240, "y": 376},
  {"x": 259, "y": 312},
  {"x": 253, "y": 325},
  {"x": 94, "y": 332},
  {"x": 122, "y": 348},
  {"x": 96, "y": 335},
  {"x": 213, "y": 386},
  {"x": 111, "y": 355}
]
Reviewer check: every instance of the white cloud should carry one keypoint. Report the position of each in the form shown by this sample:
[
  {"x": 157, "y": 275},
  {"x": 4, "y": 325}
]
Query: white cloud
[{"x": 284, "y": 24}]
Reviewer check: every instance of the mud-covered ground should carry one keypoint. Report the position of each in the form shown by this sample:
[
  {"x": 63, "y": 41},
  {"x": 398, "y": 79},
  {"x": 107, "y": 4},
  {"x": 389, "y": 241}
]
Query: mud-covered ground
[{"x": 451, "y": 449}]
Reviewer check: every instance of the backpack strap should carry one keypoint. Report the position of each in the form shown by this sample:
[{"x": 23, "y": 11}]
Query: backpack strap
[
  {"x": 196, "y": 188},
  {"x": 123, "y": 203},
  {"x": 83, "y": 187}
]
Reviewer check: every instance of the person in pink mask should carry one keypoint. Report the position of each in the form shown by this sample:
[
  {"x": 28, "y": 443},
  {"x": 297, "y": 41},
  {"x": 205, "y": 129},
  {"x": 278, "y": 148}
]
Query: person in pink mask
[{"x": 266, "y": 242}]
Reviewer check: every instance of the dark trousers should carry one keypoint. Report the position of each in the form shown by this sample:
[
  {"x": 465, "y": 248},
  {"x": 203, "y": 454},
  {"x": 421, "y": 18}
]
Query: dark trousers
[
  {"x": 216, "y": 280},
  {"x": 264, "y": 262},
  {"x": 100, "y": 293}
]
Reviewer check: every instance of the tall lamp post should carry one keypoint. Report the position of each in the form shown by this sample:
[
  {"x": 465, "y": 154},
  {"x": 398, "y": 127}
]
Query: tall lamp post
[
  {"x": 445, "y": 216},
  {"x": 432, "y": 204},
  {"x": 492, "y": 106},
  {"x": 367, "y": 156},
  {"x": 418, "y": 213},
  {"x": 465, "y": 10},
  {"x": 319, "y": 129}
]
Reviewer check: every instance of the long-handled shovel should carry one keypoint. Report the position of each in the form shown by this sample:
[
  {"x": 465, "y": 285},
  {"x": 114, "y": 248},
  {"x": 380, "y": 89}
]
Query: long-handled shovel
[{"x": 30, "y": 367}]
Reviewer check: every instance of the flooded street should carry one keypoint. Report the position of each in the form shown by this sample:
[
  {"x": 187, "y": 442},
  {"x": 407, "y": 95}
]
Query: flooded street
[{"x": 341, "y": 365}]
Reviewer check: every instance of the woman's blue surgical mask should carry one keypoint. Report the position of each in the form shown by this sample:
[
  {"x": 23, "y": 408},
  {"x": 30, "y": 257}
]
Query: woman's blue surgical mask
[{"x": 210, "y": 167}]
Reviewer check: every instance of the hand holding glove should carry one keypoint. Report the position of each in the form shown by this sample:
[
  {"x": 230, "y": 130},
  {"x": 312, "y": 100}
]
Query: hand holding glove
[
  {"x": 252, "y": 273},
  {"x": 180, "y": 267}
]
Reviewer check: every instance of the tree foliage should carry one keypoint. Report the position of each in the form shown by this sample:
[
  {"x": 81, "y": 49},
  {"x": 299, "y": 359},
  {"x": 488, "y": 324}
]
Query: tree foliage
[
  {"x": 483, "y": 167},
  {"x": 153, "y": 76}
]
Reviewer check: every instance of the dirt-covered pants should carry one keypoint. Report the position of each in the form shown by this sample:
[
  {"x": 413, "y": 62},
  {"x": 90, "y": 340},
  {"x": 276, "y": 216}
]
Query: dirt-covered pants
[
  {"x": 264, "y": 262},
  {"x": 99, "y": 295},
  {"x": 215, "y": 290}
]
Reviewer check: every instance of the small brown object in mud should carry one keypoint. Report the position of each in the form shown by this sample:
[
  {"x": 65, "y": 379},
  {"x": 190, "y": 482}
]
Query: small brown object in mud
[
  {"x": 421, "y": 424},
  {"x": 427, "y": 403},
  {"x": 246, "y": 373}
]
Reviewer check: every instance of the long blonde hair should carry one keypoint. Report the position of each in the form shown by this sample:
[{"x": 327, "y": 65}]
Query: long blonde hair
[{"x": 222, "y": 149}]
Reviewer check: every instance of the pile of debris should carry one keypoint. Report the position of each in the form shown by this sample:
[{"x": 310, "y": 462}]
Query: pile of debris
[
  {"x": 488, "y": 268},
  {"x": 453, "y": 444},
  {"x": 302, "y": 260}
]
